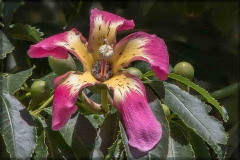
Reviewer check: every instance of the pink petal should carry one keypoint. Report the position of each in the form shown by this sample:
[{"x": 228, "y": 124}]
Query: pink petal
[
  {"x": 67, "y": 88},
  {"x": 59, "y": 45},
  {"x": 105, "y": 25},
  {"x": 142, "y": 46},
  {"x": 142, "y": 128}
]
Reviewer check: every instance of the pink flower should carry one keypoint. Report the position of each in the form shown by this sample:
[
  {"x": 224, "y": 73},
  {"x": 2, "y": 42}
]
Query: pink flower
[{"x": 102, "y": 59}]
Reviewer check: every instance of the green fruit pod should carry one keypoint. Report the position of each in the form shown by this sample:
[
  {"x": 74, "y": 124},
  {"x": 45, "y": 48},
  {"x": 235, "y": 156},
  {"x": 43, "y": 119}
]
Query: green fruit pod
[
  {"x": 61, "y": 66},
  {"x": 39, "y": 90},
  {"x": 184, "y": 69},
  {"x": 166, "y": 110},
  {"x": 134, "y": 71}
]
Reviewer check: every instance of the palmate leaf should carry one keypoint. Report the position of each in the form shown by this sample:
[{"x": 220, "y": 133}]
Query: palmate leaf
[
  {"x": 160, "y": 151},
  {"x": 17, "y": 128},
  {"x": 25, "y": 32},
  {"x": 5, "y": 46},
  {"x": 203, "y": 92},
  {"x": 12, "y": 82},
  {"x": 194, "y": 114}
]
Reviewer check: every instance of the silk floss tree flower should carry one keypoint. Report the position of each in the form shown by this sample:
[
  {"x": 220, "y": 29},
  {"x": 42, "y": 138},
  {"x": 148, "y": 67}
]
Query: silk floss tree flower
[{"x": 102, "y": 59}]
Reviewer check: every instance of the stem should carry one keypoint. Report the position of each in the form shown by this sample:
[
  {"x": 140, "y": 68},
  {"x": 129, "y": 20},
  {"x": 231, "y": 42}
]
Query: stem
[
  {"x": 24, "y": 96},
  {"x": 104, "y": 100},
  {"x": 224, "y": 92},
  {"x": 45, "y": 104}
]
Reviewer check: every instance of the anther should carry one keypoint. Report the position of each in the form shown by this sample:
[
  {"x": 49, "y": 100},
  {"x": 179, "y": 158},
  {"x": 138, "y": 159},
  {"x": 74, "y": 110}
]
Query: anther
[{"x": 106, "y": 51}]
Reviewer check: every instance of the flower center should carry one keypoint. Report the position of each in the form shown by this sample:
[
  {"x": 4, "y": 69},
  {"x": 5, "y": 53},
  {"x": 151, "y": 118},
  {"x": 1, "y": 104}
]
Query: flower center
[{"x": 102, "y": 70}]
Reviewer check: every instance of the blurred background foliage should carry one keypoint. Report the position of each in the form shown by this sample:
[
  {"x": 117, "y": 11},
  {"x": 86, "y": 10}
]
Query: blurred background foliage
[{"x": 204, "y": 34}]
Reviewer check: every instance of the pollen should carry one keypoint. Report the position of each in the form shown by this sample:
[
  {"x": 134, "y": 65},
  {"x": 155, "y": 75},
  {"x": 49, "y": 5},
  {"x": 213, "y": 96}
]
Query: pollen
[{"x": 102, "y": 70}]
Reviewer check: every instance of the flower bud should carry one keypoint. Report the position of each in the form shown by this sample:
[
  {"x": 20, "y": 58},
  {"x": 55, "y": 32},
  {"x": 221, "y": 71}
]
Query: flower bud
[
  {"x": 166, "y": 110},
  {"x": 40, "y": 91},
  {"x": 184, "y": 69},
  {"x": 134, "y": 71},
  {"x": 61, "y": 66}
]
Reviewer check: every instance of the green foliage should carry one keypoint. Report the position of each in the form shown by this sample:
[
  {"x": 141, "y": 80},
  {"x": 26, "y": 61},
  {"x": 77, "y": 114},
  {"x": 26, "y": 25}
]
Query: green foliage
[
  {"x": 17, "y": 128},
  {"x": 6, "y": 46},
  {"x": 79, "y": 134},
  {"x": 178, "y": 146},
  {"x": 25, "y": 32},
  {"x": 194, "y": 114},
  {"x": 193, "y": 32},
  {"x": 203, "y": 92},
  {"x": 13, "y": 82},
  {"x": 41, "y": 150},
  {"x": 9, "y": 9},
  {"x": 61, "y": 66}
]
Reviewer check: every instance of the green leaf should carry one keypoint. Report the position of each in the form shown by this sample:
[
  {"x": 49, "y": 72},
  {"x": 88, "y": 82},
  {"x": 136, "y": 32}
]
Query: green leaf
[
  {"x": 80, "y": 135},
  {"x": 96, "y": 120},
  {"x": 125, "y": 141},
  {"x": 41, "y": 150},
  {"x": 12, "y": 82},
  {"x": 17, "y": 128},
  {"x": 9, "y": 9},
  {"x": 194, "y": 114},
  {"x": 114, "y": 150},
  {"x": 106, "y": 136},
  {"x": 25, "y": 32},
  {"x": 179, "y": 147},
  {"x": 49, "y": 79},
  {"x": 6, "y": 46},
  {"x": 203, "y": 92},
  {"x": 57, "y": 147},
  {"x": 199, "y": 146},
  {"x": 160, "y": 151}
]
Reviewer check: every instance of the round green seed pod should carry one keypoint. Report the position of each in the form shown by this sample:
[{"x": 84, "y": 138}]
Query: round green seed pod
[
  {"x": 166, "y": 110},
  {"x": 184, "y": 69},
  {"x": 134, "y": 71},
  {"x": 61, "y": 66},
  {"x": 40, "y": 91}
]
